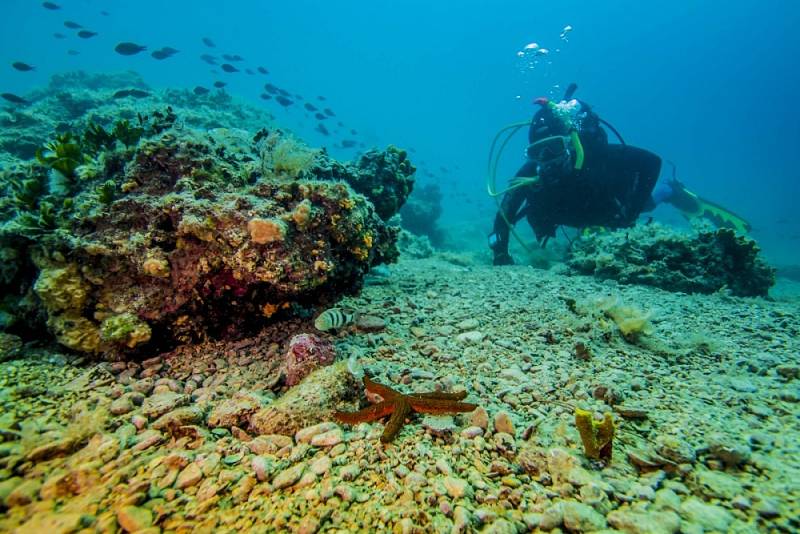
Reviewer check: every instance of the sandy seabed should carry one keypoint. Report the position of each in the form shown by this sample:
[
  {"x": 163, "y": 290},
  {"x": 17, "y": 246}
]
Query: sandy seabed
[{"x": 705, "y": 396}]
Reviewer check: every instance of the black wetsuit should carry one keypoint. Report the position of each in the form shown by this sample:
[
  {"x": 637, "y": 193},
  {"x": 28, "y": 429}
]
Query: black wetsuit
[{"x": 611, "y": 189}]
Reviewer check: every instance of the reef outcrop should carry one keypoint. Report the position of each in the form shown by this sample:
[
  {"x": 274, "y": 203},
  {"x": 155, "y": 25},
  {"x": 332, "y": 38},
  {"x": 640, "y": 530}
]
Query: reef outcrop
[
  {"x": 703, "y": 261},
  {"x": 148, "y": 233}
]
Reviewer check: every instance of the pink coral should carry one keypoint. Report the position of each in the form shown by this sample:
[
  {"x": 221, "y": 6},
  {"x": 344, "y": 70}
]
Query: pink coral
[{"x": 306, "y": 353}]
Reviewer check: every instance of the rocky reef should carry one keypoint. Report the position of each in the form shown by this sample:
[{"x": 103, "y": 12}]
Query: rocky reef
[
  {"x": 131, "y": 233},
  {"x": 422, "y": 211},
  {"x": 704, "y": 261}
]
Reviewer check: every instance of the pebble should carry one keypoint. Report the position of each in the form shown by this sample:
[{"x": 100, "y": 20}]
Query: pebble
[
  {"x": 321, "y": 465},
  {"x": 457, "y": 487},
  {"x": 289, "y": 476},
  {"x": 461, "y": 520},
  {"x": 306, "y": 434},
  {"x": 718, "y": 484},
  {"x": 709, "y": 516},
  {"x": 732, "y": 454},
  {"x": 503, "y": 423},
  {"x": 147, "y": 439},
  {"x": 191, "y": 475},
  {"x": 767, "y": 508},
  {"x": 472, "y": 431},
  {"x": 328, "y": 439},
  {"x": 175, "y": 419},
  {"x": 121, "y": 406},
  {"x": 23, "y": 493},
  {"x": 157, "y": 405},
  {"x": 639, "y": 521},
  {"x": 269, "y": 443},
  {"x": 134, "y": 518},
  {"x": 370, "y": 323},
  {"x": 470, "y": 338},
  {"x": 467, "y": 324},
  {"x": 580, "y": 517},
  {"x": 480, "y": 418},
  {"x": 552, "y": 517},
  {"x": 742, "y": 385}
]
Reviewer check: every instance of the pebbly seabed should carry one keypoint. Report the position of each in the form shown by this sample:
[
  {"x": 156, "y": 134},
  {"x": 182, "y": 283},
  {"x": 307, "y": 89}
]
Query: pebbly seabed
[{"x": 706, "y": 402}]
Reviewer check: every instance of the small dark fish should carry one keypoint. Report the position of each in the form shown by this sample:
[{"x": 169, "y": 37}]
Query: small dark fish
[
  {"x": 265, "y": 96},
  {"x": 220, "y": 85},
  {"x": 169, "y": 50},
  {"x": 23, "y": 67},
  {"x": 14, "y": 99},
  {"x": 262, "y": 70},
  {"x": 271, "y": 88},
  {"x": 320, "y": 116},
  {"x": 340, "y": 124},
  {"x": 249, "y": 71},
  {"x": 353, "y": 132},
  {"x": 444, "y": 169},
  {"x": 328, "y": 112},
  {"x": 129, "y": 49},
  {"x": 200, "y": 91},
  {"x": 86, "y": 34},
  {"x": 227, "y": 67},
  {"x": 284, "y": 92},
  {"x": 159, "y": 55},
  {"x": 208, "y": 58},
  {"x": 135, "y": 93},
  {"x": 299, "y": 97},
  {"x": 321, "y": 98},
  {"x": 105, "y": 13},
  {"x": 71, "y": 52},
  {"x": 321, "y": 129},
  {"x": 72, "y": 25},
  {"x": 51, "y": 6},
  {"x": 59, "y": 35},
  {"x": 227, "y": 57},
  {"x": 208, "y": 42},
  {"x": 310, "y": 107},
  {"x": 233, "y": 58},
  {"x": 283, "y": 101},
  {"x": 348, "y": 143}
]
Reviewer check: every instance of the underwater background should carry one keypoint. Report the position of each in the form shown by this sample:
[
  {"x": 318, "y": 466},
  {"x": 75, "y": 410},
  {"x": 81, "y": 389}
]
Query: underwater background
[
  {"x": 245, "y": 283},
  {"x": 710, "y": 86}
]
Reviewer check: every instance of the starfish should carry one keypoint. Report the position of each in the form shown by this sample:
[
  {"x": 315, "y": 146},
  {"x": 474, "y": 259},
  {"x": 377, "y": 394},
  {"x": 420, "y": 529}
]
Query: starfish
[{"x": 399, "y": 406}]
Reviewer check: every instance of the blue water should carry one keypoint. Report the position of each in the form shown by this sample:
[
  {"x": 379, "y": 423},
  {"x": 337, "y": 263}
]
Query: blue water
[{"x": 709, "y": 85}]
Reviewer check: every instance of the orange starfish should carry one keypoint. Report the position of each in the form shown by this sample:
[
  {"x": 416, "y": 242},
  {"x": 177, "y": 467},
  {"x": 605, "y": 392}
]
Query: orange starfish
[{"x": 399, "y": 406}]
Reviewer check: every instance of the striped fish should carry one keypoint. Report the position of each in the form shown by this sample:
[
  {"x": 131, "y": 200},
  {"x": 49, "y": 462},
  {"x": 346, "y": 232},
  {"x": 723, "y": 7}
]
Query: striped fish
[{"x": 333, "y": 319}]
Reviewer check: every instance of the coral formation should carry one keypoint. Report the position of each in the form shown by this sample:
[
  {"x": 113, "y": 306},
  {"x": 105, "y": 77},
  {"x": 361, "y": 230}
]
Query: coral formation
[
  {"x": 386, "y": 178},
  {"x": 183, "y": 234},
  {"x": 422, "y": 211},
  {"x": 597, "y": 436},
  {"x": 704, "y": 261}
]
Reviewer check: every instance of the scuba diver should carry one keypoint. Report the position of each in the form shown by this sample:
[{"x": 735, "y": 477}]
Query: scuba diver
[{"x": 574, "y": 177}]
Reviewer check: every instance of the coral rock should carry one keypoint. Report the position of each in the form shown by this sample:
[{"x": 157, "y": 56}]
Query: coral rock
[{"x": 314, "y": 400}]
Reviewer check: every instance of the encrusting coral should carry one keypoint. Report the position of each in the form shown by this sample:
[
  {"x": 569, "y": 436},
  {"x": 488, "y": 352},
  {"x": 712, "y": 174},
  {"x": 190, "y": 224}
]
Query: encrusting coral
[
  {"x": 597, "y": 436},
  {"x": 182, "y": 235},
  {"x": 703, "y": 261}
]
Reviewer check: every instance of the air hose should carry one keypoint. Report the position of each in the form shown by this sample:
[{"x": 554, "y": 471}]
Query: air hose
[{"x": 519, "y": 181}]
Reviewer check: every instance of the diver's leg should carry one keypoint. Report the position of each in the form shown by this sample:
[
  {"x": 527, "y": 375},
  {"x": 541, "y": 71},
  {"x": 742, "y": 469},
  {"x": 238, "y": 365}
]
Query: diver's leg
[{"x": 508, "y": 214}]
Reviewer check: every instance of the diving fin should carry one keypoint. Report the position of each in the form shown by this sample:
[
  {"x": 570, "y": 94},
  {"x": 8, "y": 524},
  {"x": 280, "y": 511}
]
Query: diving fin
[{"x": 692, "y": 206}]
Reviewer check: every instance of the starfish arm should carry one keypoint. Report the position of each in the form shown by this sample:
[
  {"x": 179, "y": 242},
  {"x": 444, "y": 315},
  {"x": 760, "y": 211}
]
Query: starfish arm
[
  {"x": 439, "y": 406},
  {"x": 385, "y": 392},
  {"x": 456, "y": 396},
  {"x": 402, "y": 409},
  {"x": 370, "y": 413}
]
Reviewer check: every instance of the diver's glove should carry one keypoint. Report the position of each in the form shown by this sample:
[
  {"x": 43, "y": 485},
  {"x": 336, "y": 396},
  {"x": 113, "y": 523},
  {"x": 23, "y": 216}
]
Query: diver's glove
[{"x": 503, "y": 258}]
